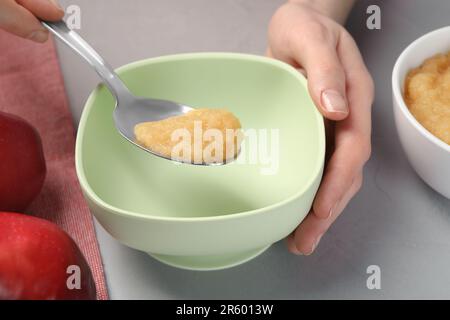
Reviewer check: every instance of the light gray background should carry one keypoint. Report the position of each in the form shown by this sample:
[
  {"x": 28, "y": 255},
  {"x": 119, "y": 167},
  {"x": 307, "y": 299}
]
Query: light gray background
[{"x": 396, "y": 221}]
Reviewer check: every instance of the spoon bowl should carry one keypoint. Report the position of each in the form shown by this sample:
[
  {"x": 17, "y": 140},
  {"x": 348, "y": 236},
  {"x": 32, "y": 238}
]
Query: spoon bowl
[{"x": 139, "y": 110}]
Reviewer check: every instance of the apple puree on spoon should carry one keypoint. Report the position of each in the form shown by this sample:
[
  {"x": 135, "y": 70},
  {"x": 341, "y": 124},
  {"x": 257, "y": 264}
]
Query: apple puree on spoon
[{"x": 200, "y": 136}]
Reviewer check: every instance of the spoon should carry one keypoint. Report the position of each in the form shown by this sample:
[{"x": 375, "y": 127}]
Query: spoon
[{"x": 129, "y": 109}]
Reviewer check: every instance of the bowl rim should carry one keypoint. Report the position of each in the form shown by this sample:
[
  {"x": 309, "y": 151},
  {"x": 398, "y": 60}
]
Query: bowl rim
[
  {"x": 397, "y": 89},
  {"x": 90, "y": 193}
]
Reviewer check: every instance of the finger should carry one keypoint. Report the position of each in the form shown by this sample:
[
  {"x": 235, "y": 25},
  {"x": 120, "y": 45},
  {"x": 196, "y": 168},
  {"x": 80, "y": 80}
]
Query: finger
[
  {"x": 305, "y": 239},
  {"x": 352, "y": 137},
  {"x": 21, "y": 22},
  {"x": 43, "y": 9},
  {"x": 316, "y": 53},
  {"x": 360, "y": 86},
  {"x": 347, "y": 161}
]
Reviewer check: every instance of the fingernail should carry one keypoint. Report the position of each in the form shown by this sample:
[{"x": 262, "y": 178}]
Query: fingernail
[
  {"x": 332, "y": 210},
  {"x": 56, "y": 3},
  {"x": 293, "y": 248},
  {"x": 314, "y": 246},
  {"x": 38, "y": 36},
  {"x": 330, "y": 213},
  {"x": 334, "y": 102}
]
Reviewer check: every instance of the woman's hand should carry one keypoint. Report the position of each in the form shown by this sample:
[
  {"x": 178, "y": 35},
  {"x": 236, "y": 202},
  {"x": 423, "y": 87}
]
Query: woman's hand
[
  {"x": 21, "y": 17},
  {"x": 304, "y": 34}
]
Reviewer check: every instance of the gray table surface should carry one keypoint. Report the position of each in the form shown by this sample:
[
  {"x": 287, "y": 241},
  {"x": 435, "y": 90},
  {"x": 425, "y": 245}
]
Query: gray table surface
[{"x": 395, "y": 222}]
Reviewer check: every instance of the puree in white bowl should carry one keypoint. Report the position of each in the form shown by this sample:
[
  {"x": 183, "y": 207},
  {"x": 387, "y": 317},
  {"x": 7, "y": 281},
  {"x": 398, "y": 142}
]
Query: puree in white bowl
[{"x": 427, "y": 95}]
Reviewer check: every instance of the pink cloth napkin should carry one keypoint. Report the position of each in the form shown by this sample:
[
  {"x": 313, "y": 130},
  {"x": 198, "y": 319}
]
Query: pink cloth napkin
[{"x": 31, "y": 86}]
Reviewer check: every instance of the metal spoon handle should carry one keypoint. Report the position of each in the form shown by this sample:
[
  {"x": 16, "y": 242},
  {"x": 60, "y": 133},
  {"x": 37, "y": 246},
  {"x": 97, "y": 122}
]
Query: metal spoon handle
[{"x": 80, "y": 46}]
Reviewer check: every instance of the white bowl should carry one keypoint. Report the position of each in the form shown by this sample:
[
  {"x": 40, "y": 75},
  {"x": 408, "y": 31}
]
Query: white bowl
[{"x": 428, "y": 155}]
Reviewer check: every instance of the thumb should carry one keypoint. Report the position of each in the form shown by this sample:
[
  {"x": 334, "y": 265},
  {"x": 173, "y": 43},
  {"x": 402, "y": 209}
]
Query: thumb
[
  {"x": 43, "y": 9},
  {"x": 326, "y": 79},
  {"x": 21, "y": 21}
]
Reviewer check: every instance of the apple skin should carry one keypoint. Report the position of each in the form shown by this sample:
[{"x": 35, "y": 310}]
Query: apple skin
[
  {"x": 34, "y": 258},
  {"x": 22, "y": 164}
]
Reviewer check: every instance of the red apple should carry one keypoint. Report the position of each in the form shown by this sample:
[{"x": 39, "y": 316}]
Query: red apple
[
  {"x": 39, "y": 261},
  {"x": 22, "y": 163}
]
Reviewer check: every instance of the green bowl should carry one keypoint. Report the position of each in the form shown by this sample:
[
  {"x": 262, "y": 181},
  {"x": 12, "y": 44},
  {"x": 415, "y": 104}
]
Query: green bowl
[{"x": 199, "y": 217}]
